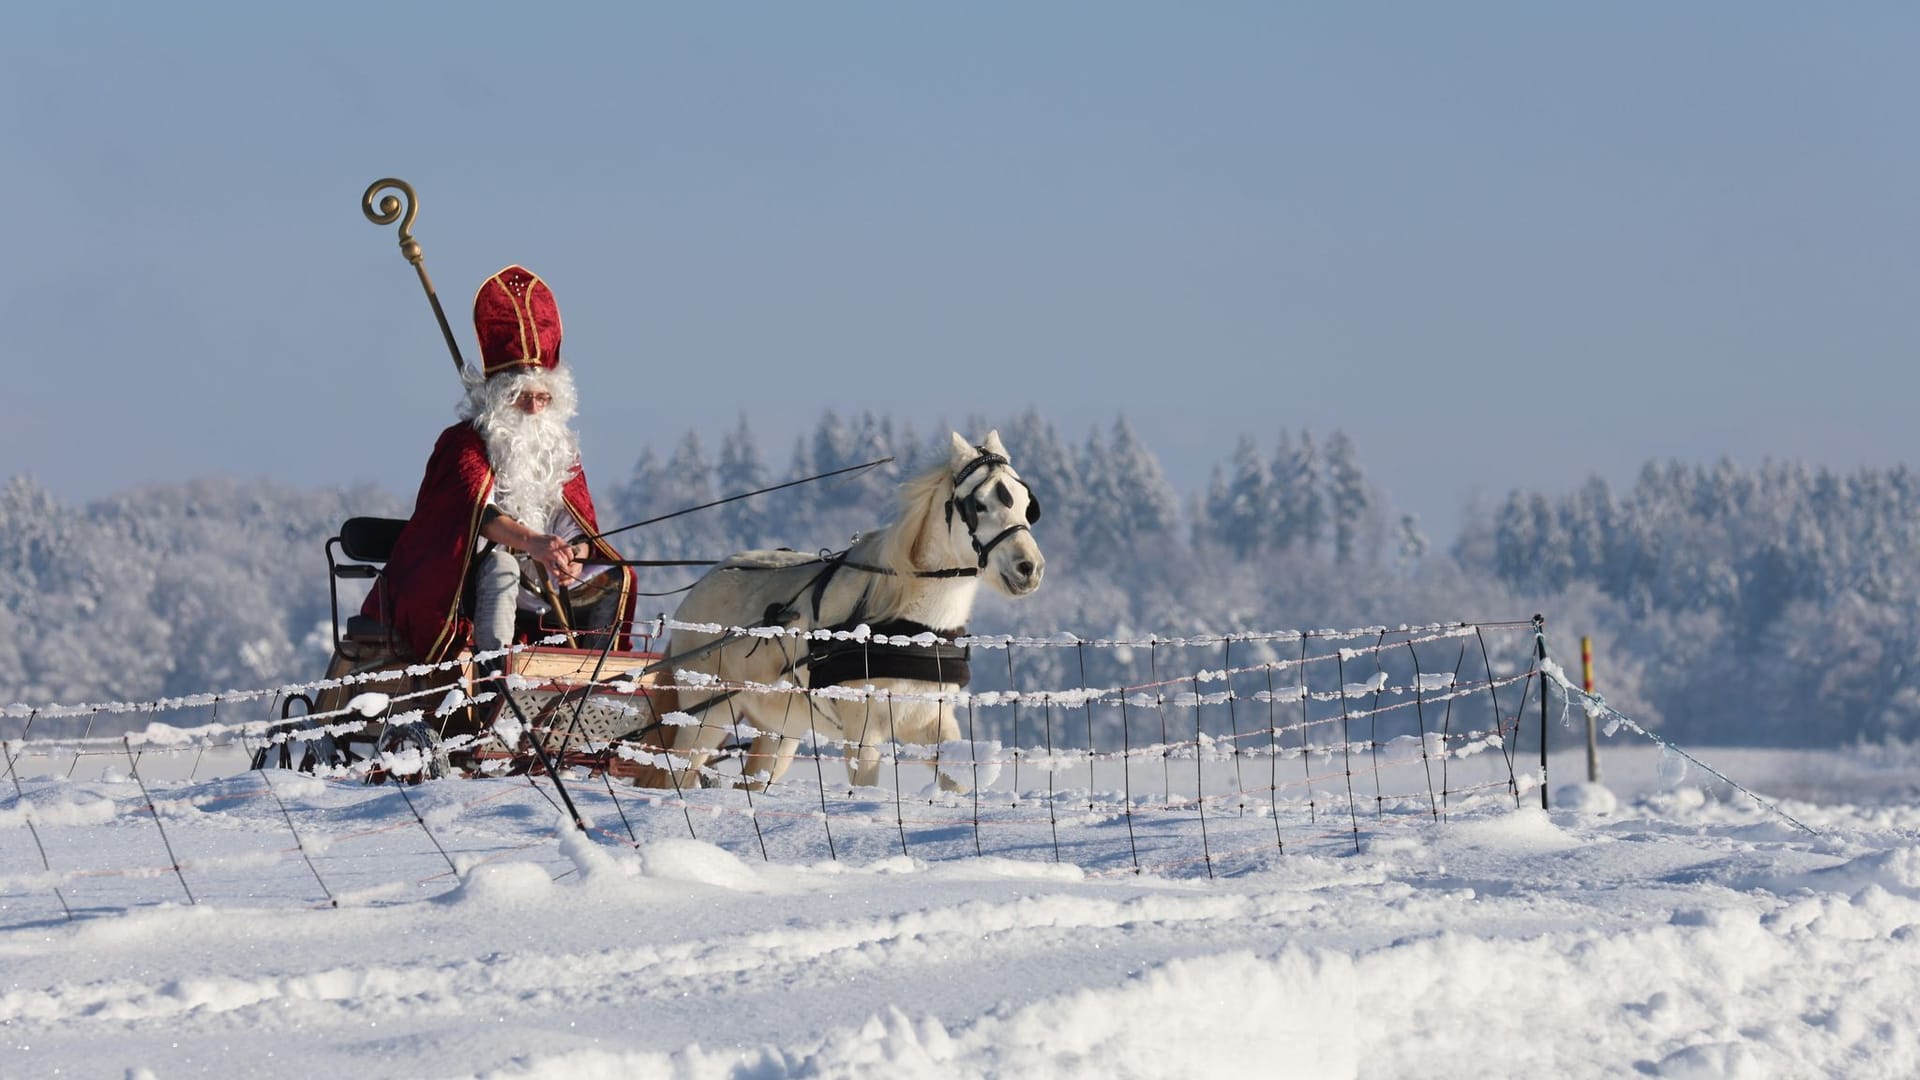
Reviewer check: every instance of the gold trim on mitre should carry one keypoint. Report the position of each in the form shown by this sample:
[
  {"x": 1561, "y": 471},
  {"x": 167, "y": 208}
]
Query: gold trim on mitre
[{"x": 523, "y": 317}]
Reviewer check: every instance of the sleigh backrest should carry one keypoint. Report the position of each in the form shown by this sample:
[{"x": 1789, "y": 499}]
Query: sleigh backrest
[
  {"x": 369, "y": 539},
  {"x": 363, "y": 545}
]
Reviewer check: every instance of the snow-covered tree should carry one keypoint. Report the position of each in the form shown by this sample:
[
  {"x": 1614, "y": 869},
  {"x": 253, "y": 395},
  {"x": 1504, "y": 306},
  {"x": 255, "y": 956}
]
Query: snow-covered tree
[
  {"x": 1242, "y": 513},
  {"x": 1349, "y": 497},
  {"x": 1296, "y": 482},
  {"x": 741, "y": 469}
]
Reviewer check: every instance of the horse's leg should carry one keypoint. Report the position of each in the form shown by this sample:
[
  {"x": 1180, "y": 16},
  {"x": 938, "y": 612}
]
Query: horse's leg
[
  {"x": 863, "y": 764},
  {"x": 762, "y": 761},
  {"x": 864, "y": 731},
  {"x": 948, "y": 773},
  {"x": 933, "y": 726},
  {"x": 770, "y": 758},
  {"x": 926, "y": 725},
  {"x": 863, "y": 725},
  {"x": 685, "y": 758},
  {"x": 693, "y": 744},
  {"x": 789, "y": 746}
]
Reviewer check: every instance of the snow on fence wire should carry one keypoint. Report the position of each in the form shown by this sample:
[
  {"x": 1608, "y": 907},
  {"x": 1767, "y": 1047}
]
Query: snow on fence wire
[{"x": 1173, "y": 755}]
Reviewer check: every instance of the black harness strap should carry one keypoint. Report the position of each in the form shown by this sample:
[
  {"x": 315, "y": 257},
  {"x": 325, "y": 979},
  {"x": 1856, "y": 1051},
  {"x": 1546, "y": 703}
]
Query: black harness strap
[
  {"x": 825, "y": 577},
  {"x": 949, "y": 572},
  {"x": 834, "y": 562}
]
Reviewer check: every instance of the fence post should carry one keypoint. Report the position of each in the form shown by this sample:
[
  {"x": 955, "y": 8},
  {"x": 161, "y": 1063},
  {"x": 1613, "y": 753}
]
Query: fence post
[
  {"x": 1586, "y": 683},
  {"x": 1540, "y": 649}
]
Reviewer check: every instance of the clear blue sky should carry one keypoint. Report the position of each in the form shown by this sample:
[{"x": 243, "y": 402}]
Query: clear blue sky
[{"x": 1500, "y": 244}]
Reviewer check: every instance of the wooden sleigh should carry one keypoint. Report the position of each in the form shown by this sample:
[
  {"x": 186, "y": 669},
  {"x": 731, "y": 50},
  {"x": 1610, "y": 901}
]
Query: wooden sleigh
[{"x": 551, "y": 706}]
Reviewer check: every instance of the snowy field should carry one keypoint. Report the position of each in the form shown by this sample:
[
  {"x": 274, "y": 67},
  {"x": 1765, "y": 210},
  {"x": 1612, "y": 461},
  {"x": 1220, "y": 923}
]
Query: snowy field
[{"x": 1685, "y": 931}]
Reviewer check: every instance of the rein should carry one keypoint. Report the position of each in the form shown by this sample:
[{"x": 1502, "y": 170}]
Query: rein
[{"x": 731, "y": 498}]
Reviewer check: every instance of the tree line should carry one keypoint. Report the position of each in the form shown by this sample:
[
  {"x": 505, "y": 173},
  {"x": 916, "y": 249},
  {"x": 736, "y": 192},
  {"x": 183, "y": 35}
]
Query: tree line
[{"x": 1765, "y": 605}]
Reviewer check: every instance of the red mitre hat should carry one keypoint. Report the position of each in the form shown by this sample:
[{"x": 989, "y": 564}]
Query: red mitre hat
[{"x": 517, "y": 321}]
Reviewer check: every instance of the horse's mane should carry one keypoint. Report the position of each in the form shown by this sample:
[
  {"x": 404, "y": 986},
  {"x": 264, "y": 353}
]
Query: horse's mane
[{"x": 901, "y": 544}]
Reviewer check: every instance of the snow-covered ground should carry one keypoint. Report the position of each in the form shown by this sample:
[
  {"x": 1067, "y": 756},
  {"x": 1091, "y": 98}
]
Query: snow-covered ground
[{"x": 1687, "y": 931}]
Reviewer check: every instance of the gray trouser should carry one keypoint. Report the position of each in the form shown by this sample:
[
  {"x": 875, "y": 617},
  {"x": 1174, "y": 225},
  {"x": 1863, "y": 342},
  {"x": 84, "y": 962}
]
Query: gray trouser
[
  {"x": 496, "y": 592},
  {"x": 496, "y": 589}
]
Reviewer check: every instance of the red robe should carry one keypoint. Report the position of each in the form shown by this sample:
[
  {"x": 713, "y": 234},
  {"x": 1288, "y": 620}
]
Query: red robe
[{"x": 428, "y": 568}]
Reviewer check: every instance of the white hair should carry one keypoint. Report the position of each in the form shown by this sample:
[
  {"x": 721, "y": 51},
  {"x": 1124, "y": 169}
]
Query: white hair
[{"x": 533, "y": 455}]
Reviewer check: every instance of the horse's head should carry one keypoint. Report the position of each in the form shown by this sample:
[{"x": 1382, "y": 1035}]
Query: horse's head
[{"x": 988, "y": 514}]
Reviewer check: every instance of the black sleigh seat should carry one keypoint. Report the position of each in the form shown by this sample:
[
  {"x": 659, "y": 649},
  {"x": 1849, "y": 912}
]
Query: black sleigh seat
[
  {"x": 364, "y": 644},
  {"x": 364, "y": 544}
]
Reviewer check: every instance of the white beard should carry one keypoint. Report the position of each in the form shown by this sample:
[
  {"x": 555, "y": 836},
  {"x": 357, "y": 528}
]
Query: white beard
[{"x": 533, "y": 455}]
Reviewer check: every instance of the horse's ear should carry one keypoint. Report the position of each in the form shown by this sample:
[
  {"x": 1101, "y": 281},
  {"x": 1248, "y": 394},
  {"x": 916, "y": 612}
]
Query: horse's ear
[
  {"x": 993, "y": 445},
  {"x": 962, "y": 451},
  {"x": 1033, "y": 507}
]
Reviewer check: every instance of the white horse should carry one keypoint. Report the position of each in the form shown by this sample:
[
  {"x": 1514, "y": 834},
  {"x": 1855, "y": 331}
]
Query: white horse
[{"x": 961, "y": 523}]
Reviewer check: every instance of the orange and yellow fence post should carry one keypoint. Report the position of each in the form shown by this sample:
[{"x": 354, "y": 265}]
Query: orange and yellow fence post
[{"x": 1586, "y": 683}]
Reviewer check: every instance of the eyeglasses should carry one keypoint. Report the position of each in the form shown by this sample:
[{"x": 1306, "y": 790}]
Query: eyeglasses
[{"x": 535, "y": 397}]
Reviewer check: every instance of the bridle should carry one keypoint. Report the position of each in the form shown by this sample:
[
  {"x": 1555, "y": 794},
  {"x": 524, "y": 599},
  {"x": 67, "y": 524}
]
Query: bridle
[
  {"x": 832, "y": 663},
  {"x": 965, "y": 505},
  {"x": 968, "y": 504}
]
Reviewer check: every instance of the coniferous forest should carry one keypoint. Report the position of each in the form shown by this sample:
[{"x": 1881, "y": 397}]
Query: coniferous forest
[{"x": 1774, "y": 605}]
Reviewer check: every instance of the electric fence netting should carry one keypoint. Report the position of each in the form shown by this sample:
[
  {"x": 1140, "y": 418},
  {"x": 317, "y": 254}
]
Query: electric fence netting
[{"x": 1198, "y": 755}]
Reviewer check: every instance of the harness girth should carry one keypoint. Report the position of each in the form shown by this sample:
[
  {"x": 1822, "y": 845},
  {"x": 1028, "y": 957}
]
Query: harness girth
[{"x": 841, "y": 663}]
